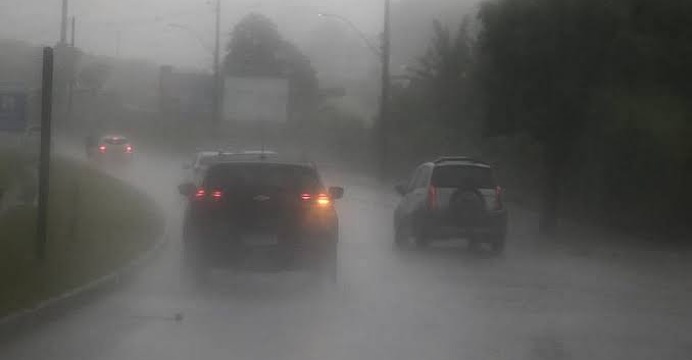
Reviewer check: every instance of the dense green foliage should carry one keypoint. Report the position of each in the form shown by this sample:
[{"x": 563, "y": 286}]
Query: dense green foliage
[
  {"x": 257, "y": 49},
  {"x": 583, "y": 101}
]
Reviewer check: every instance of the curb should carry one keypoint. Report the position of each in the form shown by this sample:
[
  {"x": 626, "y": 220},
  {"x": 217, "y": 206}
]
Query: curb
[{"x": 64, "y": 302}]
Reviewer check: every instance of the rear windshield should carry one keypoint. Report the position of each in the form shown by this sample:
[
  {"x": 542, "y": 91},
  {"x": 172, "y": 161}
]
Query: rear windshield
[
  {"x": 460, "y": 176},
  {"x": 207, "y": 160},
  {"x": 115, "y": 141},
  {"x": 270, "y": 176}
]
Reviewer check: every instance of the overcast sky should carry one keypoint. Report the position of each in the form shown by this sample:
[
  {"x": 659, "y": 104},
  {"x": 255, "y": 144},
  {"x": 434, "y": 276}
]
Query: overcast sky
[{"x": 142, "y": 26}]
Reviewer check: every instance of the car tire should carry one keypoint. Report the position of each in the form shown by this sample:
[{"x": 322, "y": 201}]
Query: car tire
[
  {"x": 496, "y": 244},
  {"x": 402, "y": 236},
  {"x": 330, "y": 270},
  {"x": 406, "y": 237},
  {"x": 491, "y": 245},
  {"x": 195, "y": 267},
  {"x": 326, "y": 269}
]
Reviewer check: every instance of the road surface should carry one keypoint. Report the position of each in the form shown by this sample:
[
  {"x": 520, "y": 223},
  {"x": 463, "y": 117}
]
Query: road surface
[{"x": 538, "y": 301}]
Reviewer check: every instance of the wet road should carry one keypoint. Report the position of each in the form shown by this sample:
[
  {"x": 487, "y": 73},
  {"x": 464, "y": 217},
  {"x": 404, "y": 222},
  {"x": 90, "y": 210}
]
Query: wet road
[{"x": 538, "y": 301}]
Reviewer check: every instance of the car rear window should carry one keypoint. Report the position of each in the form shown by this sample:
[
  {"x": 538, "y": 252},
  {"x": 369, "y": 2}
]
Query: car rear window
[
  {"x": 115, "y": 141},
  {"x": 273, "y": 176},
  {"x": 207, "y": 160},
  {"x": 459, "y": 176}
]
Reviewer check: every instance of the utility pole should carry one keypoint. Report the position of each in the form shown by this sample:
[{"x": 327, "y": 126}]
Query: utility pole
[
  {"x": 70, "y": 85},
  {"x": 216, "y": 101},
  {"x": 384, "y": 99},
  {"x": 117, "y": 44},
  {"x": 74, "y": 24},
  {"x": 44, "y": 161},
  {"x": 63, "y": 23}
]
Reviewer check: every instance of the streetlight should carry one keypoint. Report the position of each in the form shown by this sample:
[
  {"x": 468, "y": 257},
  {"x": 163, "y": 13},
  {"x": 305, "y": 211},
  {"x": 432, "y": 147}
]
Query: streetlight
[
  {"x": 194, "y": 34},
  {"x": 355, "y": 29},
  {"x": 385, "y": 58},
  {"x": 216, "y": 97}
]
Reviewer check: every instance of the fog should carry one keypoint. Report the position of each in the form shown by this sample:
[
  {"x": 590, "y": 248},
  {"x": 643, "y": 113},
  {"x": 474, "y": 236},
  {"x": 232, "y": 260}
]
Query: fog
[
  {"x": 142, "y": 26},
  {"x": 512, "y": 185}
]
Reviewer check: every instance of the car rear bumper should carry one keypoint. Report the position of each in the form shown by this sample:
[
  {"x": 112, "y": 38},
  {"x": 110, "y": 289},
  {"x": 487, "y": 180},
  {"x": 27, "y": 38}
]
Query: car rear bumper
[
  {"x": 492, "y": 224},
  {"x": 295, "y": 249},
  {"x": 113, "y": 156}
]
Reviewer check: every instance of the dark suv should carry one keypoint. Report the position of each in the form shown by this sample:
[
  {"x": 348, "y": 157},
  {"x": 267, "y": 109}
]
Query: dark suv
[
  {"x": 452, "y": 197},
  {"x": 261, "y": 213}
]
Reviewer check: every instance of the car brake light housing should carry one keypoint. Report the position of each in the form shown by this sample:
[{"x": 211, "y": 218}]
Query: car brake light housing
[
  {"x": 432, "y": 198},
  {"x": 321, "y": 200},
  {"x": 498, "y": 198},
  {"x": 102, "y": 148},
  {"x": 202, "y": 194}
]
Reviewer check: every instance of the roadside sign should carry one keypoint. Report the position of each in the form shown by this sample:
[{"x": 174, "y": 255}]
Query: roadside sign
[
  {"x": 13, "y": 114},
  {"x": 256, "y": 99}
]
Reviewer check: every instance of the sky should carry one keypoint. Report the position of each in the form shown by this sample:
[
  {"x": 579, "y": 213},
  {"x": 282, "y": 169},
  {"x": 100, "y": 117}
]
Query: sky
[{"x": 141, "y": 28}]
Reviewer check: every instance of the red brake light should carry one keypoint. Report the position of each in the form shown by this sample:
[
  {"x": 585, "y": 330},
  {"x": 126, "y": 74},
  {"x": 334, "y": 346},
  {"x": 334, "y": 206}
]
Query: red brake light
[
  {"x": 498, "y": 197},
  {"x": 129, "y": 149},
  {"x": 432, "y": 198},
  {"x": 102, "y": 148},
  {"x": 200, "y": 194},
  {"x": 320, "y": 200}
]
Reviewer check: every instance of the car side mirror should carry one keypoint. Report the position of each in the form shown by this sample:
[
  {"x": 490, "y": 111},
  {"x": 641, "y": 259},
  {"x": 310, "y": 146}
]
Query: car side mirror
[
  {"x": 400, "y": 188},
  {"x": 186, "y": 189},
  {"x": 336, "y": 192}
]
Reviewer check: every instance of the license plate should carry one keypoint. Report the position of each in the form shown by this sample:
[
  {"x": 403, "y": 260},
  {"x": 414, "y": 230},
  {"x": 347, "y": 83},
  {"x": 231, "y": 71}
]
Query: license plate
[{"x": 260, "y": 240}]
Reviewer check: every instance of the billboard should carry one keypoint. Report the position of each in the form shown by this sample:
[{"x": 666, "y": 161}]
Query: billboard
[
  {"x": 13, "y": 110},
  {"x": 256, "y": 99}
]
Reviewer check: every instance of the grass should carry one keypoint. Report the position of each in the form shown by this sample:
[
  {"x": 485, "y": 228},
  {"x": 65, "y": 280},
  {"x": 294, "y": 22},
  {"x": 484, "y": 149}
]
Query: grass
[
  {"x": 96, "y": 224},
  {"x": 9, "y": 161}
]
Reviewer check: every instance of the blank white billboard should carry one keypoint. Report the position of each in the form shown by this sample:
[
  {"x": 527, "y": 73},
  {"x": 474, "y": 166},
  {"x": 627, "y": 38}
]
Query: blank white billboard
[{"x": 255, "y": 99}]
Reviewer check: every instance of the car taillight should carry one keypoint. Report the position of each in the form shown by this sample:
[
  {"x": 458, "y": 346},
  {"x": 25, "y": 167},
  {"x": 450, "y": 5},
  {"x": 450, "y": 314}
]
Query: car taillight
[
  {"x": 319, "y": 200},
  {"x": 102, "y": 148},
  {"x": 129, "y": 149},
  {"x": 323, "y": 200},
  {"x": 200, "y": 194},
  {"x": 498, "y": 197},
  {"x": 432, "y": 198},
  {"x": 203, "y": 194}
]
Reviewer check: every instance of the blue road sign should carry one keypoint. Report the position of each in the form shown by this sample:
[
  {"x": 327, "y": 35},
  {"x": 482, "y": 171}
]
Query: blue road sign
[{"x": 13, "y": 110}]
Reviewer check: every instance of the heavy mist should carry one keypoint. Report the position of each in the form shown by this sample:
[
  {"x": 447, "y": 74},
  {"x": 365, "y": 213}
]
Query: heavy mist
[{"x": 345, "y": 179}]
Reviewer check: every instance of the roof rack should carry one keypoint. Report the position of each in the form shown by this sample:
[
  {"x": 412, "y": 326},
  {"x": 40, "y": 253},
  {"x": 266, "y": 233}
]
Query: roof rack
[{"x": 444, "y": 159}]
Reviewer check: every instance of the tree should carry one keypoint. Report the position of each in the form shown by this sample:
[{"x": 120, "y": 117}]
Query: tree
[
  {"x": 541, "y": 63},
  {"x": 600, "y": 84},
  {"x": 256, "y": 48},
  {"x": 94, "y": 76},
  {"x": 446, "y": 73}
]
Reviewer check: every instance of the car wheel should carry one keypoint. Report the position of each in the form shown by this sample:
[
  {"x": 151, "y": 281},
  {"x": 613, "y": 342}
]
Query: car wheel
[
  {"x": 405, "y": 237},
  {"x": 491, "y": 245},
  {"x": 326, "y": 269},
  {"x": 402, "y": 236},
  {"x": 496, "y": 244},
  {"x": 475, "y": 245},
  {"x": 194, "y": 266}
]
